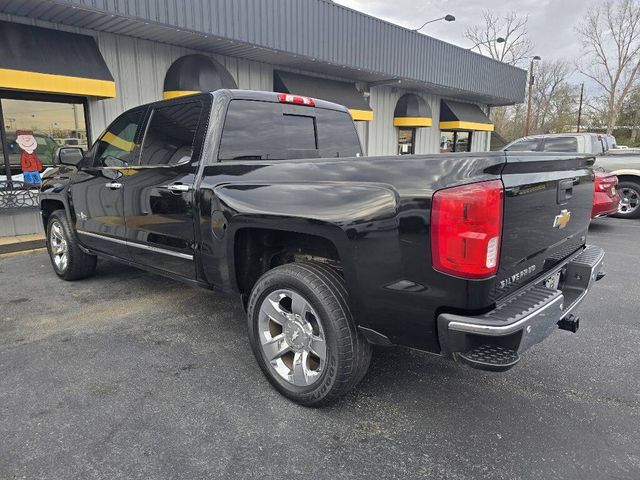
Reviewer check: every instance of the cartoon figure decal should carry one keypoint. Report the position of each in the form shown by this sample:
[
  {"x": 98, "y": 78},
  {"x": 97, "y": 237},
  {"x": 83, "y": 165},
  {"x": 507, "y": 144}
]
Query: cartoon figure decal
[{"x": 29, "y": 161}]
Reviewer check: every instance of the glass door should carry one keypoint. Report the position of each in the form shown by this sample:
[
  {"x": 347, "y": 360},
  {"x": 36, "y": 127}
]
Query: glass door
[{"x": 406, "y": 141}]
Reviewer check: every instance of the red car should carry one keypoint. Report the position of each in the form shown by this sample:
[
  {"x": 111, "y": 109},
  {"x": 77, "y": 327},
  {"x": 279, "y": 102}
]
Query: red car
[{"x": 606, "y": 197}]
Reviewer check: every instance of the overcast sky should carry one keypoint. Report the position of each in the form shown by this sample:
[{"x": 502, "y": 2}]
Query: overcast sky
[{"x": 551, "y": 22}]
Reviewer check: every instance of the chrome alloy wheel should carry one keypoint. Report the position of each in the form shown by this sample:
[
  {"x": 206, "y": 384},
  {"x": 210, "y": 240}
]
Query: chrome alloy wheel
[
  {"x": 59, "y": 246},
  {"x": 292, "y": 338},
  {"x": 629, "y": 200}
]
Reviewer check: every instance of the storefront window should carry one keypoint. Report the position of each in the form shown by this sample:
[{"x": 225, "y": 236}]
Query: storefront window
[
  {"x": 34, "y": 130},
  {"x": 406, "y": 141},
  {"x": 455, "y": 141}
]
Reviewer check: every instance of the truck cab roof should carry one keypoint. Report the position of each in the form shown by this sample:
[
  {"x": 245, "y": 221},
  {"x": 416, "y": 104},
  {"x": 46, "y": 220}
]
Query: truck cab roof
[{"x": 256, "y": 95}]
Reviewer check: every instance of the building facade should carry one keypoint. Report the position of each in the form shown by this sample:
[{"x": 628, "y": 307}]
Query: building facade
[{"x": 69, "y": 67}]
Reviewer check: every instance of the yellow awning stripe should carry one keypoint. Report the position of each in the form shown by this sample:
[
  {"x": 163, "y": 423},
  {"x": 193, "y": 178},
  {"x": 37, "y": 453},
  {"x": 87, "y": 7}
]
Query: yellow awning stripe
[
  {"x": 46, "y": 82},
  {"x": 169, "y": 94},
  {"x": 412, "y": 121},
  {"x": 457, "y": 125},
  {"x": 361, "y": 115}
]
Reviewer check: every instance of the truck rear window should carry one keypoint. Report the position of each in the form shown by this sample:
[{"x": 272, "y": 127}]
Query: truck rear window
[{"x": 255, "y": 130}]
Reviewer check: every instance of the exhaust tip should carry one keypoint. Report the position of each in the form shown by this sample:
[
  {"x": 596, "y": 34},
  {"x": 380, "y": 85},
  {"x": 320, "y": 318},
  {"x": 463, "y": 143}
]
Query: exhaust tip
[{"x": 570, "y": 323}]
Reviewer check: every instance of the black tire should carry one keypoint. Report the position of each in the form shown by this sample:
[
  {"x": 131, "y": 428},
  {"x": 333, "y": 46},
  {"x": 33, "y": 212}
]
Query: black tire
[
  {"x": 79, "y": 264},
  {"x": 347, "y": 352},
  {"x": 634, "y": 189}
]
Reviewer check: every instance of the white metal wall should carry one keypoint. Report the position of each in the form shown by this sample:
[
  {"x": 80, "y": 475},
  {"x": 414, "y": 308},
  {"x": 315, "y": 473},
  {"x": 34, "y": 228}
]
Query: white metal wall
[
  {"x": 382, "y": 136},
  {"x": 139, "y": 68}
]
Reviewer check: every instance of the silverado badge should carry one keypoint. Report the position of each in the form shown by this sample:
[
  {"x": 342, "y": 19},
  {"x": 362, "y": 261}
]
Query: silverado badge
[{"x": 562, "y": 219}]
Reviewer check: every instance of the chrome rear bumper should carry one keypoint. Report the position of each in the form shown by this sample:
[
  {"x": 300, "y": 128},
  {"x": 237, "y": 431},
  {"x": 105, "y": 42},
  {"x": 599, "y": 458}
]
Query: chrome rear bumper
[{"x": 529, "y": 316}]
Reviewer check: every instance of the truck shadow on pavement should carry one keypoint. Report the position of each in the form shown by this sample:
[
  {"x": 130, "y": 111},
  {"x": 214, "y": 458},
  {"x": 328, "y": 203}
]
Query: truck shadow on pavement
[{"x": 196, "y": 317}]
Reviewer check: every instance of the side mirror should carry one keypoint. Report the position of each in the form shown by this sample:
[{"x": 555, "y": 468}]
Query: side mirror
[{"x": 71, "y": 156}]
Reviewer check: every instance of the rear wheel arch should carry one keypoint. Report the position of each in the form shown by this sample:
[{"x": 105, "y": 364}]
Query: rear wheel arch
[
  {"x": 628, "y": 177},
  {"x": 629, "y": 188},
  {"x": 258, "y": 250}
]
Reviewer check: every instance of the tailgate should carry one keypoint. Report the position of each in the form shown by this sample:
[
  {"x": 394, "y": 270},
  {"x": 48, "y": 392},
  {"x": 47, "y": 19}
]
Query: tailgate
[{"x": 547, "y": 211}]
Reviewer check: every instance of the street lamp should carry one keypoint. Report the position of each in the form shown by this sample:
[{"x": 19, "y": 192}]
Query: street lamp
[
  {"x": 531, "y": 80},
  {"x": 497, "y": 40},
  {"x": 447, "y": 18}
]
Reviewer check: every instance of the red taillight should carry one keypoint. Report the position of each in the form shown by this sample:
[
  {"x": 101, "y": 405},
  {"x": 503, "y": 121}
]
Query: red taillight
[
  {"x": 296, "y": 99},
  {"x": 606, "y": 183},
  {"x": 466, "y": 226}
]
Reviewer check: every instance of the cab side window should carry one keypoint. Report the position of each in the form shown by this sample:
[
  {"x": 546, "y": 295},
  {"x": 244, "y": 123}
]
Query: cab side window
[
  {"x": 116, "y": 147},
  {"x": 525, "y": 145},
  {"x": 170, "y": 135},
  {"x": 561, "y": 144}
]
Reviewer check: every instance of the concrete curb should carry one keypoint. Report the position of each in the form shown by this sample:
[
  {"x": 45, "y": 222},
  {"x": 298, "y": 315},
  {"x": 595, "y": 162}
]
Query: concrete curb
[{"x": 21, "y": 242}]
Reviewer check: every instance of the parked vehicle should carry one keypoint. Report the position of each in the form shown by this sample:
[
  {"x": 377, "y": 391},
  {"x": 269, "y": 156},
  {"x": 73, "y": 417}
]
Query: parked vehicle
[
  {"x": 583, "y": 143},
  {"x": 626, "y": 166},
  {"x": 606, "y": 198},
  {"x": 473, "y": 256},
  {"x": 617, "y": 161}
]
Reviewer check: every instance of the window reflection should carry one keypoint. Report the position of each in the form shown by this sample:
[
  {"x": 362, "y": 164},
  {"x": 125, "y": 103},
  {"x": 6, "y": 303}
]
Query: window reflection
[{"x": 35, "y": 130}]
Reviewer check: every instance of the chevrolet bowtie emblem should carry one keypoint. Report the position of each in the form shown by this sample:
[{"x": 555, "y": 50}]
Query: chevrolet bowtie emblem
[{"x": 562, "y": 219}]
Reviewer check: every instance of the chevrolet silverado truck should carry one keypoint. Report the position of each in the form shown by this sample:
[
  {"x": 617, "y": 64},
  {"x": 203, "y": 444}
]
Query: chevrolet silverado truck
[{"x": 474, "y": 256}]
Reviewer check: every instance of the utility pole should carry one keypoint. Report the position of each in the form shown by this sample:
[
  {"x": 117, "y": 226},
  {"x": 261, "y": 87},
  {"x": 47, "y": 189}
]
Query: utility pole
[
  {"x": 527, "y": 126},
  {"x": 580, "y": 107}
]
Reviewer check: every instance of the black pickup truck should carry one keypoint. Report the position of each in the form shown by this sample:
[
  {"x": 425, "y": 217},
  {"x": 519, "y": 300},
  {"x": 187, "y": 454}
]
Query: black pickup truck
[{"x": 473, "y": 256}]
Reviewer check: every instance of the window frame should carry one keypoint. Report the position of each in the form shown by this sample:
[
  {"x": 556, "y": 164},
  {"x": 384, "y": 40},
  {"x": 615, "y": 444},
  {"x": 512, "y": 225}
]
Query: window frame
[
  {"x": 455, "y": 140},
  {"x": 414, "y": 133},
  {"x": 287, "y": 110},
  {"x": 543, "y": 145},
  {"x": 37, "y": 97},
  {"x": 136, "y": 138}
]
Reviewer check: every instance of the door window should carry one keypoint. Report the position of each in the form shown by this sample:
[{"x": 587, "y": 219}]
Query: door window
[
  {"x": 525, "y": 145},
  {"x": 116, "y": 147},
  {"x": 560, "y": 144},
  {"x": 170, "y": 135}
]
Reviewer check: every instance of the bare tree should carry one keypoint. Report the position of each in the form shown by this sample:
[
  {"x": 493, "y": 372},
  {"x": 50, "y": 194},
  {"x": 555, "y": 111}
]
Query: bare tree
[
  {"x": 610, "y": 34},
  {"x": 552, "y": 97},
  {"x": 511, "y": 26},
  {"x": 553, "y": 104}
]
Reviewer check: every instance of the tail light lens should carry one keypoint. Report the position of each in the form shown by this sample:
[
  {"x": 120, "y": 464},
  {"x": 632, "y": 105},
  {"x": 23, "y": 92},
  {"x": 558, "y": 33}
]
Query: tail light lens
[
  {"x": 466, "y": 229},
  {"x": 606, "y": 183}
]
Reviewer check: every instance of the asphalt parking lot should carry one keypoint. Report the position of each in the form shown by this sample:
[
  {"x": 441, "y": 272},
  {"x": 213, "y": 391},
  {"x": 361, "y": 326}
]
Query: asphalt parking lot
[{"x": 129, "y": 375}]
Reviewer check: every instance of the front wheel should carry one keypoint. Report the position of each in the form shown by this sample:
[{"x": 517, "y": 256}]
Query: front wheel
[
  {"x": 629, "y": 199},
  {"x": 69, "y": 261},
  {"x": 302, "y": 333}
]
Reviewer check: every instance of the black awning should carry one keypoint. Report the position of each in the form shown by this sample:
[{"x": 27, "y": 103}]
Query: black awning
[
  {"x": 463, "y": 116},
  {"x": 412, "y": 111},
  {"x": 343, "y": 93},
  {"x": 194, "y": 74},
  {"x": 45, "y": 60}
]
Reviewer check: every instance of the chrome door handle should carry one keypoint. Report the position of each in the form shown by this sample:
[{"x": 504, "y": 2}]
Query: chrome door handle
[
  {"x": 178, "y": 187},
  {"x": 113, "y": 185}
]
